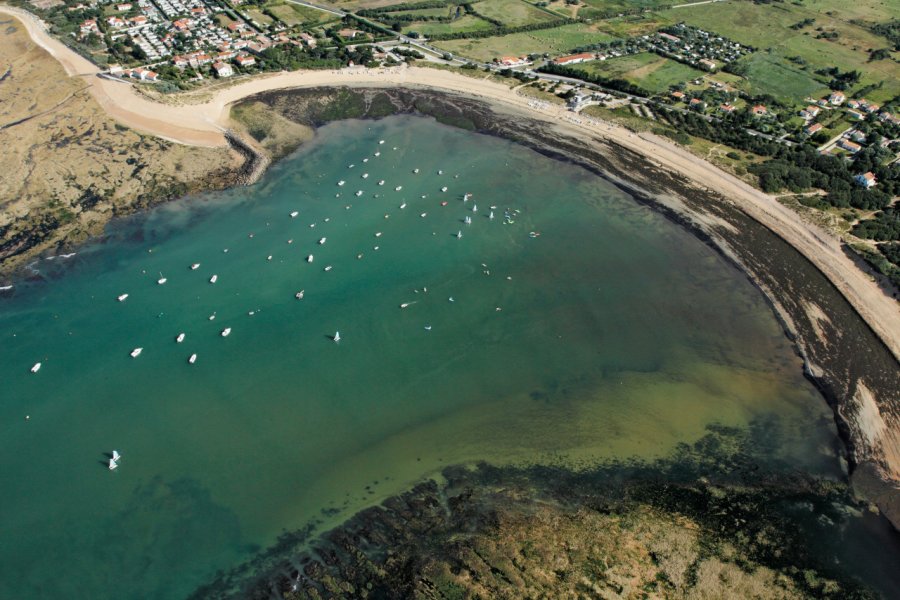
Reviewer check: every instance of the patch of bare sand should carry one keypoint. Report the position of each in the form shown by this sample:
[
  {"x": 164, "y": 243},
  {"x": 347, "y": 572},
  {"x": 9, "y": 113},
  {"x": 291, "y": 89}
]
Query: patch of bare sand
[{"x": 879, "y": 431}]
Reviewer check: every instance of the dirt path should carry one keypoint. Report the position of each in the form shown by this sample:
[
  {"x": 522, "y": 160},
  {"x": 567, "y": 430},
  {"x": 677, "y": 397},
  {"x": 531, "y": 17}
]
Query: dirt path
[{"x": 203, "y": 124}]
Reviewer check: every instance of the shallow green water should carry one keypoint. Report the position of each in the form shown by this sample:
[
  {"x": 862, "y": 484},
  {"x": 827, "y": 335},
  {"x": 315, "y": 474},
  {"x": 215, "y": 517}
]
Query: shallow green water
[{"x": 611, "y": 334}]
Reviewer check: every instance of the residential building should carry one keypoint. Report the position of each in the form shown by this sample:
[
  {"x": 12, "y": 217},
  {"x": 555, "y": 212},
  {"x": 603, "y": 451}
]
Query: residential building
[
  {"x": 245, "y": 60},
  {"x": 837, "y": 98},
  {"x": 223, "y": 69},
  {"x": 866, "y": 180},
  {"x": 813, "y": 129},
  {"x": 707, "y": 64},
  {"x": 759, "y": 110},
  {"x": 849, "y": 146},
  {"x": 574, "y": 59}
]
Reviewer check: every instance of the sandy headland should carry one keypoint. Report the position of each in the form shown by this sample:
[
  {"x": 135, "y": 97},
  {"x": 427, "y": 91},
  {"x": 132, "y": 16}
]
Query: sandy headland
[{"x": 846, "y": 328}]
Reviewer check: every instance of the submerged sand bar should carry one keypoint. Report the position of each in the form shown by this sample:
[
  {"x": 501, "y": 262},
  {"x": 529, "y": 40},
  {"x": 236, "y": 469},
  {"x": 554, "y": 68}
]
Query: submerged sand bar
[{"x": 204, "y": 123}]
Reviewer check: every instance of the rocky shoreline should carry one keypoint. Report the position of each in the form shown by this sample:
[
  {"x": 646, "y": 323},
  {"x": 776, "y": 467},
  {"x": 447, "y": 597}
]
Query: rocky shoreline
[
  {"x": 717, "y": 519},
  {"x": 856, "y": 373}
]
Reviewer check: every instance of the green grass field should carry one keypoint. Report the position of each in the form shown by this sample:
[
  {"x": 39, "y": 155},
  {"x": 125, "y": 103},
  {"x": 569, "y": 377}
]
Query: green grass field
[
  {"x": 512, "y": 12},
  {"x": 423, "y": 12},
  {"x": 772, "y": 74},
  {"x": 651, "y": 72},
  {"x": 258, "y": 16},
  {"x": 597, "y": 8},
  {"x": 294, "y": 14},
  {"x": 559, "y": 40},
  {"x": 465, "y": 23},
  {"x": 769, "y": 26}
]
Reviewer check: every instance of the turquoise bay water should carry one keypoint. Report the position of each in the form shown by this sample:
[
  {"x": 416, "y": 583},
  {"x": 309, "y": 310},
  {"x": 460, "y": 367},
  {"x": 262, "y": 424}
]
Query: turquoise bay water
[{"x": 612, "y": 333}]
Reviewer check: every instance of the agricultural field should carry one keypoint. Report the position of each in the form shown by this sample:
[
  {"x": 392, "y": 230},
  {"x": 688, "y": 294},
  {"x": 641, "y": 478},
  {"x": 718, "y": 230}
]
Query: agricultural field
[
  {"x": 258, "y": 16},
  {"x": 464, "y": 23},
  {"x": 649, "y": 71},
  {"x": 769, "y": 26},
  {"x": 294, "y": 14},
  {"x": 512, "y": 13},
  {"x": 772, "y": 74},
  {"x": 559, "y": 40},
  {"x": 601, "y": 8}
]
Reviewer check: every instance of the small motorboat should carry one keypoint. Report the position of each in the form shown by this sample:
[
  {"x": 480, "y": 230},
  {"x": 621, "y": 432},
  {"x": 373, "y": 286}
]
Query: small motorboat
[
  {"x": 180, "y": 338},
  {"x": 226, "y": 332},
  {"x": 299, "y": 295},
  {"x": 136, "y": 352},
  {"x": 380, "y": 142},
  {"x": 365, "y": 175},
  {"x": 212, "y": 317},
  {"x": 36, "y": 367},
  {"x": 377, "y": 234},
  {"x": 381, "y": 182},
  {"x": 328, "y": 268},
  {"x": 309, "y": 258},
  {"x": 322, "y": 241},
  {"x": 294, "y": 214},
  {"x": 416, "y": 171},
  {"x": 378, "y": 154},
  {"x": 474, "y": 208},
  {"x": 359, "y": 193},
  {"x": 214, "y": 279},
  {"x": 398, "y": 188},
  {"x": 424, "y": 214},
  {"x": 195, "y": 266},
  {"x": 444, "y": 203},
  {"x": 341, "y": 182},
  {"x": 122, "y": 297},
  {"x": 402, "y": 206},
  {"x": 269, "y": 257},
  {"x": 491, "y": 216},
  {"x": 444, "y": 189},
  {"x": 161, "y": 279},
  {"x": 193, "y": 358}
]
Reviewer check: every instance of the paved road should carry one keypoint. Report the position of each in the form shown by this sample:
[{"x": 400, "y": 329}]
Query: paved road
[{"x": 332, "y": 11}]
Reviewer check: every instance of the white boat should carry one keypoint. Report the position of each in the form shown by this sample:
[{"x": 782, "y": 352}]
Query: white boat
[
  {"x": 309, "y": 258},
  {"x": 116, "y": 456},
  {"x": 458, "y": 234},
  {"x": 269, "y": 257},
  {"x": 328, "y": 268},
  {"x": 212, "y": 317},
  {"x": 378, "y": 154},
  {"x": 474, "y": 208},
  {"x": 214, "y": 279},
  {"x": 122, "y": 297},
  {"x": 416, "y": 171},
  {"x": 312, "y": 225},
  {"x": 398, "y": 188},
  {"x": 377, "y": 234},
  {"x": 365, "y": 160},
  {"x": 294, "y": 214},
  {"x": 337, "y": 336},
  {"x": 405, "y": 304},
  {"x": 322, "y": 241},
  {"x": 195, "y": 266},
  {"x": 424, "y": 214},
  {"x": 226, "y": 332},
  {"x": 444, "y": 189},
  {"x": 359, "y": 193},
  {"x": 491, "y": 216},
  {"x": 180, "y": 338},
  {"x": 365, "y": 175},
  {"x": 402, "y": 206},
  {"x": 299, "y": 295},
  {"x": 136, "y": 352},
  {"x": 193, "y": 358},
  {"x": 36, "y": 367},
  {"x": 350, "y": 166},
  {"x": 440, "y": 172},
  {"x": 113, "y": 465},
  {"x": 161, "y": 279},
  {"x": 428, "y": 328},
  {"x": 341, "y": 182},
  {"x": 466, "y": 196},
  {"x": 380, "y": 142},
  {"x": 468, "y": 220},
  {"x": 381, "y": 182}
]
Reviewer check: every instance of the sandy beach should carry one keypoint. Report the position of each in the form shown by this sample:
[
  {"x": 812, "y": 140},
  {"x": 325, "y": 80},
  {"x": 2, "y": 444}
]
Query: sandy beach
[{"x": 204, "y": 123}]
